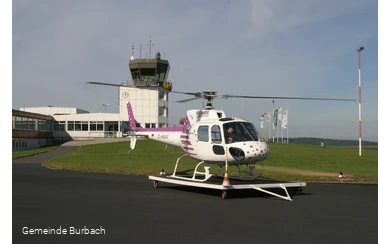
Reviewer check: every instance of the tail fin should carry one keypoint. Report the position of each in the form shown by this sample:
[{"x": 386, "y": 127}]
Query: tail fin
[{"x": 130, "y": 113}]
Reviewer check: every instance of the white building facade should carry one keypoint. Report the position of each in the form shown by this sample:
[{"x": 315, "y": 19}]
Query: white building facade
[{"x": 150, "y": 107}]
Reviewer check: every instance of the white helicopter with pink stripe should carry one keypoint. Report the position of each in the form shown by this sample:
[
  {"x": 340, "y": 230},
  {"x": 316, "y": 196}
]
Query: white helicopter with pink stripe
[{"x": 211, "y": 137}]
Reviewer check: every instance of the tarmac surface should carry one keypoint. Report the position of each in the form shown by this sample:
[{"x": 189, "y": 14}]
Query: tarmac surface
[{"x": 130, "y": 210}]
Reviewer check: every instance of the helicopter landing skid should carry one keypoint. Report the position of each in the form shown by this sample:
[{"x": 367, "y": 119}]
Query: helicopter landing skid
[{"x": 206, "y": 172}]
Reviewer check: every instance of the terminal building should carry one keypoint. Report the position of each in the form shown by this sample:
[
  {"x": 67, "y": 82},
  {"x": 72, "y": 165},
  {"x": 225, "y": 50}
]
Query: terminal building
[{"x": 34, "y": 127}]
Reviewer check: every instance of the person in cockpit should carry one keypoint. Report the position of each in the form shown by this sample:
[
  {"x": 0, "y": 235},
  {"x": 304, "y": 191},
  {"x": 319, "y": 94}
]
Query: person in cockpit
[{"x": 230, "y": 135}]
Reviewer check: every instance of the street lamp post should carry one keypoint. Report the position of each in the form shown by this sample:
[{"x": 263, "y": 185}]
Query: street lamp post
[
  {"x": 360, "y": 102},
  {"x": 105, "y": 107}
]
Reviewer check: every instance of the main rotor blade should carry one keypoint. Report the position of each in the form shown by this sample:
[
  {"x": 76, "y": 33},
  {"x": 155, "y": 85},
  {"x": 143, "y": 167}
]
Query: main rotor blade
[
  {"x": 197, "y": 94},
  {"x": 298, "y": 98},
  {"x": 104, "y": 84},
  {"x": 187, "y": 100}
]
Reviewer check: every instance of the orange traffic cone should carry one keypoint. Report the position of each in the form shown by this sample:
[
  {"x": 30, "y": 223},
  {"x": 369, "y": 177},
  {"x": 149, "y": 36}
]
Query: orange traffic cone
[
  {"x": 226, "y": 181},
  {"x": 341, "y": 176}
]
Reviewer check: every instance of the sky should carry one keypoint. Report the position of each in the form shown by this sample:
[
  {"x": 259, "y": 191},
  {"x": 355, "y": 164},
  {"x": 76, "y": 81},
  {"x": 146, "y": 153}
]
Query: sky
[{"x": 299, "y": 48}]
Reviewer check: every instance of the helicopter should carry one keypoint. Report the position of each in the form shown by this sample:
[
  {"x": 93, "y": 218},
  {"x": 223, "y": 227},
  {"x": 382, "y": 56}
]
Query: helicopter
[{"x": 210, "y": 137}]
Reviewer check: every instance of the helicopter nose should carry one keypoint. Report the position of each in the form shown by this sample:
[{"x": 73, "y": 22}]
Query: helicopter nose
[
  {"x": 265, "y": 150},
  {"x": 258, "y": 150},
  {"x": 237, "y": 153}
]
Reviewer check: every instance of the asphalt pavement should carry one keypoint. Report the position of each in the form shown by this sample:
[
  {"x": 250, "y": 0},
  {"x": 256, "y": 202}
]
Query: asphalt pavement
[{"x": 127, "y": 209}]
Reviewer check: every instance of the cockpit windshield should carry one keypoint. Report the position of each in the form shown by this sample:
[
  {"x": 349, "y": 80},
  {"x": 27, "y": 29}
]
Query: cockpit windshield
[{"x": 240, "y": 131}]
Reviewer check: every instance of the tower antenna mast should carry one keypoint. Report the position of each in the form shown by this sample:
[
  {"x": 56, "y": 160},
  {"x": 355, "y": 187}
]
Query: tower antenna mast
[{"x": 150, "y": 46}]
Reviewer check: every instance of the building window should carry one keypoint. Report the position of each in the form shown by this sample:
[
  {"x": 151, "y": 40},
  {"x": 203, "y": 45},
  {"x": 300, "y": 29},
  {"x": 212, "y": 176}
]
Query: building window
[
  {"x": 100, "y": 125},
  {"x": 161, "y": 111},
  {"x": 30, "y": 124},
  {"x": 59, "y": 126},
  {"x": 150, "y": 125},
  {"x": 161, "y": 95},
  {"x": 84, "y": 126},
  {"x": 18, "y": 123},
  {"x": 93, "y": 125},
  {"x": 45, "y": 126},
  {"x": 77, "y": 125},
  {"x": 70, "y": 125}
]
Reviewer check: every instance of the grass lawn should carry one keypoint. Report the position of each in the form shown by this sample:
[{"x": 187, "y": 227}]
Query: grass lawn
[
  {"x": 26, "y": 153},
  {"x": 286, "y": 161}
]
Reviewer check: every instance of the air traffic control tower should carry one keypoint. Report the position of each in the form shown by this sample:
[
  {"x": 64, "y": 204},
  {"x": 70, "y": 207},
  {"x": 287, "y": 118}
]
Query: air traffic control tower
[
  {"x": 150, "y": 72},
  {"x": 148, "y": 94}
]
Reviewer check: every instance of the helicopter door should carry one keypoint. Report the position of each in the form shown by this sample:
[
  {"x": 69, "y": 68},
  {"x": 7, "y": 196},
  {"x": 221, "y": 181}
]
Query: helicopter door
[
  {"x": 216, "y": 141},
  {"x": 209, "y": 143},
  {"x": 203, "y": 143}
]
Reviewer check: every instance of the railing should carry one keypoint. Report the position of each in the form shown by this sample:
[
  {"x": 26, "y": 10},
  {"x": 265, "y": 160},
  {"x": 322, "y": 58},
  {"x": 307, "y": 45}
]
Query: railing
[{"x": 103, "y": 134}]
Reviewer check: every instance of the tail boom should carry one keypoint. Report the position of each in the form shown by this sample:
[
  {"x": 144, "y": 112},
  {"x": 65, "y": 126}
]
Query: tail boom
[{"x": 167, "y": 135}]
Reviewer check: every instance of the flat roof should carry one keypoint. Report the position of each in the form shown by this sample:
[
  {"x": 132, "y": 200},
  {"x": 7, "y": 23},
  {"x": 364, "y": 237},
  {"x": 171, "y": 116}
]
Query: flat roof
[{"x": 31, "y": 115}]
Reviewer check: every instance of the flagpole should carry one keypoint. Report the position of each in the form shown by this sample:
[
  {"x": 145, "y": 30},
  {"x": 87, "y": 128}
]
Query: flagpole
[
  {"x": 273, "y": 123},
  {"x": 269, "y": 126},
  {"x": 266, "y": 122},
  {"x": 260, "y": 129},
  {"x": 360, "y": 102},
  {"x": 287, "y": 119},
  {"x": 281, "y": 128},
  {"x": 277, "y": 129},
  {"x": 279, "y": 125},
  {"x": 288, "y": 111}
]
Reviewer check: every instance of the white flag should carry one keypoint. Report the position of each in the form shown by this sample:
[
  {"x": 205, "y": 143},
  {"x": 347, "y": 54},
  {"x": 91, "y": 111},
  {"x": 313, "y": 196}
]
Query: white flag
[
  {"x": 280, "y": 113},
  {"x": 285, "y": 119},
  {"x": 261, "y": 124}
]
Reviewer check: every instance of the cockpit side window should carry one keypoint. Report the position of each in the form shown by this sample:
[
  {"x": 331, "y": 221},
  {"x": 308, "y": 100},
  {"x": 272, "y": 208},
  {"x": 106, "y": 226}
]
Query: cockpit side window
[
  {"x": 250, "y": 128},
  {"x": 216, "y": 134},
  {"x": 203, "y": 133},
  {"x": 240, "y": 131}
]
